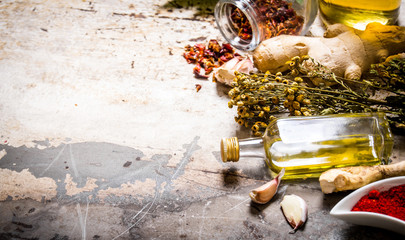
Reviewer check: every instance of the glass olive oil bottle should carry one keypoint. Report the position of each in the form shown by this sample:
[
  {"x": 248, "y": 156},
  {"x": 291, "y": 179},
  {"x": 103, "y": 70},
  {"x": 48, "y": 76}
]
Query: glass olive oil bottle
[
  {"x": 358, "y": 13},
  {"x": 307, "y": 146}
]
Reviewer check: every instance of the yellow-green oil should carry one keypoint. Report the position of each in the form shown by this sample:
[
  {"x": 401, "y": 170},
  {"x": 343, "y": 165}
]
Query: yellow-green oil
[
  {"x": 358, "y": 13},
  {"x": 309, "y": 160}
]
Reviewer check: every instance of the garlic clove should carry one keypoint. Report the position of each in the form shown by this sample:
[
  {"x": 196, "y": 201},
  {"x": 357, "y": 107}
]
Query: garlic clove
[
  {"x": 226, "y": 73},
  {"x": 295, "y": 211},
  {"x": 245, "y": 66},
  {"x": 265, "y": 193}
]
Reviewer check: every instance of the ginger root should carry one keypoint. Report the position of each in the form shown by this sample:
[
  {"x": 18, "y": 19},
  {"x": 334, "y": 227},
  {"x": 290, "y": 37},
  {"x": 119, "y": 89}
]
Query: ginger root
[
  {"x": 350, "y": 178},
  {"x": 346, "y": 52}
]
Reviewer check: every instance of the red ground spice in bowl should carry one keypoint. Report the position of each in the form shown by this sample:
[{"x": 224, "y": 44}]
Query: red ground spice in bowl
[
  {"x": 381, "y": 205},
  {"x": 391, "y": 202}
]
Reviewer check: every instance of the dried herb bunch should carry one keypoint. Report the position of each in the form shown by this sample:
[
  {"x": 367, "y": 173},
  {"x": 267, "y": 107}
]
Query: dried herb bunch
[
  {"x": 308, "y": 88},
  {"x": 391, "y": 72}
]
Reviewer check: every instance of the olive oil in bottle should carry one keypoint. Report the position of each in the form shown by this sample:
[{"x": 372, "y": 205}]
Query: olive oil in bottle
[
  {"x": 307, "y": 146},
  {"x": 358, "y": 13}
]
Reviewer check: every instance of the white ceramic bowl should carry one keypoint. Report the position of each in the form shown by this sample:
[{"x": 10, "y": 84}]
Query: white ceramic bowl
[{"x": 342, "y": 210}]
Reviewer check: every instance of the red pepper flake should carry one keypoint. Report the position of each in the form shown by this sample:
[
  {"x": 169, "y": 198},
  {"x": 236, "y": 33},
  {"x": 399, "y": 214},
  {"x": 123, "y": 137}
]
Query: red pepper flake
[
  {"x": 197, "y": 70},
  {"x": 279, "y": 18},
  {"x": 208, "y": 57},
  {"x": 198, "y": 87},
  {"x": 391, "y": 202}
]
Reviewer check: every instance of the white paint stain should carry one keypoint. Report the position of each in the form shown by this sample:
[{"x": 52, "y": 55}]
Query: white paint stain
[
  {"x": 138, "y": 188},
  {"x": 3, "y": 153},
  {"x": 24, "y": 185},
  {"x": 72, "y": 189}
]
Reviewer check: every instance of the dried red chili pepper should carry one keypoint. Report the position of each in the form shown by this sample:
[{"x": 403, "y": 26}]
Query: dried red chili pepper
[
  {"x": 198, "y": 87},
  {"x": 391, "y": 202},
  {"x": 197, "y": 71},
  {"x": 278, "y": 16},
  {"x": 208, "y": 57}
]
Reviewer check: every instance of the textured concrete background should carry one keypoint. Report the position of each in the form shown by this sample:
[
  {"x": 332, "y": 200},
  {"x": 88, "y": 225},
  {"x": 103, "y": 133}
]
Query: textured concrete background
[{"x": 103, "y": 134}]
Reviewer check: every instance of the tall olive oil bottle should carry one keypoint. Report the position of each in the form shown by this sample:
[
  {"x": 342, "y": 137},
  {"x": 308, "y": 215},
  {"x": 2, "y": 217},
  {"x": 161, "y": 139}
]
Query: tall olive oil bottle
[{"x": 307, "y": 146}]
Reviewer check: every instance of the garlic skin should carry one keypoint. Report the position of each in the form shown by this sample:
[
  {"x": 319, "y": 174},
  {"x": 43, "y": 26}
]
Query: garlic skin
[
  {"x": 295, "y": 210},
  {"x": 226, "y": 73},
  {"x": 265, "y": 193}
]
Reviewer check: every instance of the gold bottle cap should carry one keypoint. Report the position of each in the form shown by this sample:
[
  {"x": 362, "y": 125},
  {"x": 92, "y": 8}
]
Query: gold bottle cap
[{"x": 230, "y": 149}]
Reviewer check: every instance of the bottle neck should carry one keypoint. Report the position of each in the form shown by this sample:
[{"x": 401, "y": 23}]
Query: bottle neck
[{"x": 232, "y": 149}]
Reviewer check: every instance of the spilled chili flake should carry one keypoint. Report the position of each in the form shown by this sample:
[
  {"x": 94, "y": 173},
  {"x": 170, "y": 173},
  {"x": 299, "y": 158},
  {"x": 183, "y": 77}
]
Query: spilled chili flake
[
  {"x": 391, "y": 202},
  {"x": 198, "y": 87},
  {"x": 208, "y": 57}
]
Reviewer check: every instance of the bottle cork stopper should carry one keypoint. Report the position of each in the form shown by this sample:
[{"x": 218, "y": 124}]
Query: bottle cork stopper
[{"x": 230, "y": 149}]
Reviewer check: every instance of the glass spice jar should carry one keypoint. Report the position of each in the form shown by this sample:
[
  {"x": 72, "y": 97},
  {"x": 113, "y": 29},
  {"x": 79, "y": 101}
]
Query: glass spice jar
[{"x": 246, "y": 23}]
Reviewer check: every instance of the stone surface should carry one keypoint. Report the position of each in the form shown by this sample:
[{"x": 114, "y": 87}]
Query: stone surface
[{"x": 98, "y": 102}]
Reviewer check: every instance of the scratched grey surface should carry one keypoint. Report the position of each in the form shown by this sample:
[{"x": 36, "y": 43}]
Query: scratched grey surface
[
  {"x": 165, "y": 215},
  {"x": 56, "y": 57}
]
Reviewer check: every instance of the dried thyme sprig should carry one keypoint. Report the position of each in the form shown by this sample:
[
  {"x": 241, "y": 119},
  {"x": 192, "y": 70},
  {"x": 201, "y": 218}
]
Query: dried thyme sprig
[
  {"x": 259, "y": 97},
  {"x": 390, "y": 73}
]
